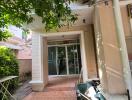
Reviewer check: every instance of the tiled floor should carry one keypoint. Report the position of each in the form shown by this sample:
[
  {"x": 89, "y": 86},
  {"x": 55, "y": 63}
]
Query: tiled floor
[
  {"x": 62, "y": 88},
  {"x": 117, "y": 97}
]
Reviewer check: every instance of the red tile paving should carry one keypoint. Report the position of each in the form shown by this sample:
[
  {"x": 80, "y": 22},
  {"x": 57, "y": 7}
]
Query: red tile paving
[{"x": 59, "y": 88}]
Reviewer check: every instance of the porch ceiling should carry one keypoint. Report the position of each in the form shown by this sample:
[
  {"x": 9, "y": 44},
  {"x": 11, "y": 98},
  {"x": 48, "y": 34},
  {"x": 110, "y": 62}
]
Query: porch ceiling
[{"x": 63, "y": 37}]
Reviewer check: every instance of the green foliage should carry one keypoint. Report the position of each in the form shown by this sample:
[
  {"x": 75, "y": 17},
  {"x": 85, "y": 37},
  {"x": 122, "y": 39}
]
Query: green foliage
[
  {"x": 4, "y": 34},
  {"x": 8, "y": 67},
  {"x": 8, "y": 62},
  {"x": 13, "y": 12},
  {"x": 54, "y": 13}
]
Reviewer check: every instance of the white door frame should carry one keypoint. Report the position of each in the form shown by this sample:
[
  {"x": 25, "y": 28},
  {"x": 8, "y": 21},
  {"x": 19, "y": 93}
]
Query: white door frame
[
  {"x": 82, "y": 48},
  {"x": 67, "y": 65}
]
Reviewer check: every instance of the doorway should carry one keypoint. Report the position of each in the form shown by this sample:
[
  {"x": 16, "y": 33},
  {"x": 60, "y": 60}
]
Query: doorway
[{"x": 64, "y": 57}]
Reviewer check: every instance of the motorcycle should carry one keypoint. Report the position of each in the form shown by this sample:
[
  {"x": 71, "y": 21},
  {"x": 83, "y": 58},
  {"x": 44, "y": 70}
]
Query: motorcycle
[{"x": 89, "y": 91}]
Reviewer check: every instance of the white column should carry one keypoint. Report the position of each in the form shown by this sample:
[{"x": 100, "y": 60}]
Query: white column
[
  {"x": 36, "y": 58},
  {"x": 37, "y": 63},
  {"x": 122, "y": 44},
  {"x": 83, "y": 58}
]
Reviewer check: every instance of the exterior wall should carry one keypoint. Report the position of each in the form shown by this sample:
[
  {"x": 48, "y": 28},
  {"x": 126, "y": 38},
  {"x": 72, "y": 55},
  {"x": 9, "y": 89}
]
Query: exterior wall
[
  {"x": 90, "y": 54},
  {"x": 129, "y": 50},
  {"x": 45, "y": 61},
  {"x": 25, "y": 66},
  {"x": 126, "y": 21},
  {"x": 129, "y": 45},
  {"x": 109, "y": 61},
  {"x": 128, "y": 32},
  {"x": 100, "y": 51},
  {"x": 112, "y": 61}
]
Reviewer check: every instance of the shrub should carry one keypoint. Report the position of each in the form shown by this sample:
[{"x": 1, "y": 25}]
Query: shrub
[{"x": 8, "y": 67}]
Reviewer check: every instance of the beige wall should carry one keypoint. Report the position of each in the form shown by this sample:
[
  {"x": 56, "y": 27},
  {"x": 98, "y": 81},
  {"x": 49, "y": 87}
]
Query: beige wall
[
  {"x": 25, "y": 66},
  {"x": 100, "y": 51},
  {"x": 90, "y": 53},
  {"x": 129, "y": 45},
  {"x": 126, "y": 21},
  {"x": 45, "y": 61},
  {"x": 112, "y": 61},
  {"x": 127, "y": 30}
]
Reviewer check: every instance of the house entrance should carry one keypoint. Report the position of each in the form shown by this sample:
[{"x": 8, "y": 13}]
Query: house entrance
[{"x": 64, "y": 57}]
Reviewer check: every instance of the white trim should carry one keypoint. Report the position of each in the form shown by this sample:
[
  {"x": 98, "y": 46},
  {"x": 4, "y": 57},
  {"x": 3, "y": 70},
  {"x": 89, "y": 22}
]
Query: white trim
[
  {"x": 57, "y": 69},
  {"x": 67, "y": 64},
  {"x": 41, "y": 58},
  {"x": 77, "y": 59},
  {"x": 62, "y": 45},
  {"x": 61, "y": 33},
  {"x": 70, "y": 75},
  {"x": 83, "y": 57}
]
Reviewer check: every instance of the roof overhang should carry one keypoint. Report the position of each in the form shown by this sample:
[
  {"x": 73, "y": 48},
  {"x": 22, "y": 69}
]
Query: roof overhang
[
  {"x": 125, "y": 2},
  {"x": 11, "y": 46}
]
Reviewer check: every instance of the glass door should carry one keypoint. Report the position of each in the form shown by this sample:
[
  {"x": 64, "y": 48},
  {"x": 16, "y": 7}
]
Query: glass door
[
  {"x": 52, "y": 61},
  {"x": 62, "y": 60},
  {"x": 74, "y": 59}
]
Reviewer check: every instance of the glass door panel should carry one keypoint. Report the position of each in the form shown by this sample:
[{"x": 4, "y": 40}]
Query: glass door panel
[
  {"x": 71, "y": 62},
  {"x": 62, "y": 61},
  {"x": 79, "y": 58},
  {"x": 73, "y": 59},
  {"x": 52, "y": 61}
]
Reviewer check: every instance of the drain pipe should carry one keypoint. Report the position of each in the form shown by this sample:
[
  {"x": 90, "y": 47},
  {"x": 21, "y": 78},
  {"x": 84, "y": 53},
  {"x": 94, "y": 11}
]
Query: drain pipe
[{"x": 122, "y": 45}]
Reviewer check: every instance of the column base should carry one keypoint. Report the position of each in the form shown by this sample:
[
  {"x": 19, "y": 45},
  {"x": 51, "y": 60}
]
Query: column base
[{"x": 37, "y": 85}]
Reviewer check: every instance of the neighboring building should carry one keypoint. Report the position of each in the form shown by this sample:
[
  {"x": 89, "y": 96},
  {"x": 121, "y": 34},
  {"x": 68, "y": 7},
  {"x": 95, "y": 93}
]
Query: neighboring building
[
  {"x": 24, "y": 54},
  {"x": 25, "y": 59},
  {"x": 91, "y": 43},
  {"x": 22, "y": 50},
  {"x": 12, "y": 43}
]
